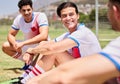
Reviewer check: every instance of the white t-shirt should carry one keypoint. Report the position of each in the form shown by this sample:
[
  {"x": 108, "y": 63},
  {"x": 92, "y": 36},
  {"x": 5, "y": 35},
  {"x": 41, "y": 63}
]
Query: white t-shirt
[
  {"x": 30, "y": 29},
  {"x": 112, "y": 52},
  {"x": 87, "y": 41}
]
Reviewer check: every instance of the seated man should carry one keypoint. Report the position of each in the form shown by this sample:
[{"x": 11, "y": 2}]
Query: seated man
[
  {"x": 93, "y": 69},
  {"x": 79, "y": 41}
]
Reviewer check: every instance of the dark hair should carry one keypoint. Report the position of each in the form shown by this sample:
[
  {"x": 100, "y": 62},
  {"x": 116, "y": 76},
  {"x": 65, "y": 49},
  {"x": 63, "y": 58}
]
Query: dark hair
[
  {"x": 115, "y": 1},
  {"x": 24, "y": 2},
  {"x": 65, "y": 5}
]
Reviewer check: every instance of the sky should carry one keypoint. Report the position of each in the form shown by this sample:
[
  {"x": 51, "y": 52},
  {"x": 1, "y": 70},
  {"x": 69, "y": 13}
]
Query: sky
[{"x": 8, "y": 7}]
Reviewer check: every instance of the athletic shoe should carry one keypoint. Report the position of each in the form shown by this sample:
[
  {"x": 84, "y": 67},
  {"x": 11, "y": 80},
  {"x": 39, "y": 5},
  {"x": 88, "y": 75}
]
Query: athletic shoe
[
  {"x": 19, "y": 78},
  {"x": 17, "y": 81}
]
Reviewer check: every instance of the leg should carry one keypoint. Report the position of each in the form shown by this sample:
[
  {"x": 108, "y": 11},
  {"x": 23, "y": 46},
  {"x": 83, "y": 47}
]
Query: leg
[
  {"x": 43, "y": 64},
  {"x": 8, "y": 49},
  {"x": 94, "y": 69},
  {"x": 62, "y": 58},
  {"x": 46, "y": 63}
]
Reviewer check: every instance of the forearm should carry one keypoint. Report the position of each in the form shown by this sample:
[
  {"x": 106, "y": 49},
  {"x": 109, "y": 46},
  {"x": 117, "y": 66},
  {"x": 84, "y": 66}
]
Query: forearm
[
  {"x": 51, "y": 47},
  {"x": 11, "y": 39}
]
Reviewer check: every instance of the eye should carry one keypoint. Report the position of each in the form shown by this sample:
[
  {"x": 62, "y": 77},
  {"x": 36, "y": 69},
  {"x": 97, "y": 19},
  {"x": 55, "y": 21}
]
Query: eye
[
  {"x": 71, "y": 14},
  {"x": 23, "y": 10},
  {"x": 28, "y": 9},
  {"x": 63, "y": 16}
]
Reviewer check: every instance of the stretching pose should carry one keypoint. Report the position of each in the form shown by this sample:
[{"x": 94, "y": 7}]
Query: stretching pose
[
  {"x": 78, "y": 42},
  {"x": 93, "y": 69}
]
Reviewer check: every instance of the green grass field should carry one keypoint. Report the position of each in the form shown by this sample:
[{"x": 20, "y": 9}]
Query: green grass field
[{"x": 10, "y": 68}]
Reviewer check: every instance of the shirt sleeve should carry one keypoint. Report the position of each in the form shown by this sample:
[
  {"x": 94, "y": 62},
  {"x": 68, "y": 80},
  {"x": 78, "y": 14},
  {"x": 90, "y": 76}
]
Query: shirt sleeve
[
  {"x": 15, "y": 24},
  {"x": 77, "y": 36},
  {"x": 61, "y": 37},
  {"x": 42, "y": 20}
]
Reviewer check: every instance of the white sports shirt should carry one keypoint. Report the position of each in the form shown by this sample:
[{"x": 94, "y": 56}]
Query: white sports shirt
[
  {"x": 87, "y": 41},
  {"x": 112, "y": 52},
  {"x": 30, "y": 29}
]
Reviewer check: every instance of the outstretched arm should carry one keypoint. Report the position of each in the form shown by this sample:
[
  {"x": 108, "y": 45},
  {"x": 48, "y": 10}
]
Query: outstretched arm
[
  {"x": 51, "y": 47},
  {"x": 94, "y": 69}
]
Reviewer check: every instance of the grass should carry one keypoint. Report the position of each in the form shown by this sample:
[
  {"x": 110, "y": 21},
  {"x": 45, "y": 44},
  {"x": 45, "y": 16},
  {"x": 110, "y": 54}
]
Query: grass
[{"x": 10, "y": 68}]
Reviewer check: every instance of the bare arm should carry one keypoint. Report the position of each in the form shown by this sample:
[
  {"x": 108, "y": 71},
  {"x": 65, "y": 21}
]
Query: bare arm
[
  {"x": 38, "y": 38},
  {"x": 94, "y": 69},
  {"x": 50, "y": 47},
  {"x": 11, "y": 37}
]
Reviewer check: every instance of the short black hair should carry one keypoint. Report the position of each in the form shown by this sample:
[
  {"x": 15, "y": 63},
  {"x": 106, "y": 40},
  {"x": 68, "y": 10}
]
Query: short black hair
[
  {"x": 65, "y": 5},
  {"x": 115, "y": 1},
  {"x": 24, "y": 2}
]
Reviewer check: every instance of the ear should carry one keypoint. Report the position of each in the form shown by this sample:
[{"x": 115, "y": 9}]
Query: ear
[
  {"x": 78, "y": 15},
  {"x": 19, "y": 10},
  {"x": 116, "y": 12}
]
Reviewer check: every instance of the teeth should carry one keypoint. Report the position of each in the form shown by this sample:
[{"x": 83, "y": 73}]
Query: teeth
[{"x": 68, "y": 22}]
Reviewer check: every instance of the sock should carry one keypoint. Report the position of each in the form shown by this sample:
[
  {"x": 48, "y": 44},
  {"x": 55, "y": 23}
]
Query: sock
[
  {"x": 18, "y": 56},
  {"x": 25, "y": 67},
  {"x": 27, "y": 71},
  {"x": 35, "y": 72}
]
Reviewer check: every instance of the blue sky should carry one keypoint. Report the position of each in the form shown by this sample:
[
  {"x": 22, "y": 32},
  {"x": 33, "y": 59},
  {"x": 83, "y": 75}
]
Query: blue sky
[{"x": 8, "y": 7}]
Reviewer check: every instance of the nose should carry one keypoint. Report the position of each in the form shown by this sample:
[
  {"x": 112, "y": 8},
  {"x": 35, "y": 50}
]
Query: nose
[
  {"x": 68, "y": 17},
  {"x": 26, "y": 12}
]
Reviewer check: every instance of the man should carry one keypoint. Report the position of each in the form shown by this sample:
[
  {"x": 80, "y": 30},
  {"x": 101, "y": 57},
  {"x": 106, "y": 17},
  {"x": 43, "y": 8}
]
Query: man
[
  {"x": 79, "y": 41},
  {"x": 93, "y": 69},
  {"x": 34, "y": 26}
]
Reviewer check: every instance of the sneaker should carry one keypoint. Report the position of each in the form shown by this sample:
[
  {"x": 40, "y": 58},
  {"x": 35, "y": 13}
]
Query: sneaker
[{"x": 17, "y": 80}]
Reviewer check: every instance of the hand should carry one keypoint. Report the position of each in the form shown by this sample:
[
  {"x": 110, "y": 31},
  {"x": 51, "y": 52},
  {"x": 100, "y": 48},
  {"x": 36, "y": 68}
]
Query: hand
[
  {"x": 15, "y": 46},
  {"x": 19, "y": 45},
  {"x": 27, "y": 57},
  {"x": 44, "y": 48}
]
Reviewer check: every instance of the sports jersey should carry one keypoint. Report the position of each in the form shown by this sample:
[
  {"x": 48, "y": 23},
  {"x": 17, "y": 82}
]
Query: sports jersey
[
  {"x": 85, "y": 39},
  {"x": 30, "y": 29},
  {"x": 112, "y": 52}
]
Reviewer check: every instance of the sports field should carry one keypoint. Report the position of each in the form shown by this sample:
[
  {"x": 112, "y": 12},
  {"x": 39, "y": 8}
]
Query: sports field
[{"x": 10, "y": 68}]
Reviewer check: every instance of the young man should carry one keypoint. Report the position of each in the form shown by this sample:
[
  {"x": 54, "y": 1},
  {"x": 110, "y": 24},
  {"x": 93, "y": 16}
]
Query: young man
[
  {"x": 79, "y": 41},
  {"x": 93, "y": 69},
  {"x": 34, "y": 26}
]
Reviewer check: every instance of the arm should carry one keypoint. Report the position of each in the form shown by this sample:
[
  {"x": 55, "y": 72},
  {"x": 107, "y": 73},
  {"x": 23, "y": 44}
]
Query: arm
[
  {"x": 38, "y": 38},
  {"x": 50, "y": 47},
  {"x": 42, "y": 22},
  {"x": 11, "y": 37},
  {"x": 78, "y": 72}
]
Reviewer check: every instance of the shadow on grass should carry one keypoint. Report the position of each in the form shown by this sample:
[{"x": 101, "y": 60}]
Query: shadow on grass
[{"x": 15, "y": 70}]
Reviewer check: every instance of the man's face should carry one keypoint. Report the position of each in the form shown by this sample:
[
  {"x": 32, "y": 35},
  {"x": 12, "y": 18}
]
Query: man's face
[
  {"x": 26, "y": 11},
  {"x": 113, "y": 17},
  {"x": 69, "y": 18}
]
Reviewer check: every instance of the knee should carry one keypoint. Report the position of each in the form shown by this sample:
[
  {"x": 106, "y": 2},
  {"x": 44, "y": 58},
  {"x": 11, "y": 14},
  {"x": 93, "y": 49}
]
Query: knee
[{"x": 4, "y": 46}]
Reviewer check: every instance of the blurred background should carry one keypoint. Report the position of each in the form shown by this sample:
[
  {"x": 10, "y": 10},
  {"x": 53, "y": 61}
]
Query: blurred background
[{"x": 93, "y": 13}]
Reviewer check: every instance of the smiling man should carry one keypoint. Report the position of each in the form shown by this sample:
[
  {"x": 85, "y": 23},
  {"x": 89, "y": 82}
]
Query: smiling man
[
  {"x": 93, "y": 69},
  {"x": 78, "y": 42},
  {"x": 34, "y": 26}
]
